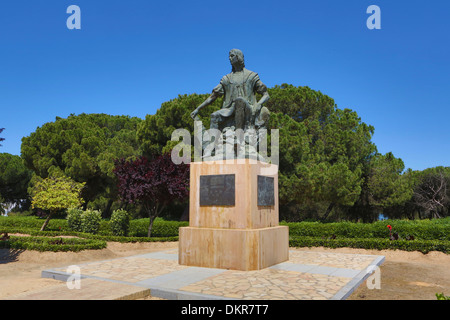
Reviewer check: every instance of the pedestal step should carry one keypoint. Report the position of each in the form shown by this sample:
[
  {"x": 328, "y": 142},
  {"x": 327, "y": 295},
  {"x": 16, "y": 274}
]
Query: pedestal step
[{"x": 236, "y": 249}]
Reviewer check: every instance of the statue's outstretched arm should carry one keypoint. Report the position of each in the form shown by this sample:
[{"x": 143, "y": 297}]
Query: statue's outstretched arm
[{"x": 214, "y": 95}]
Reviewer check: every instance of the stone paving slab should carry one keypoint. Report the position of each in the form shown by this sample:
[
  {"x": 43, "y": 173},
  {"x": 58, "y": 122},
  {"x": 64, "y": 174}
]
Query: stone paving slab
[
  {"x": 306, "y": 276},
  {"x": 90, "y": 289}
]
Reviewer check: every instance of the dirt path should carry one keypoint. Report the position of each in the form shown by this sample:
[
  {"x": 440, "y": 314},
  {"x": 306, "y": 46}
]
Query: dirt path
[{"x": 404, "y": 275}]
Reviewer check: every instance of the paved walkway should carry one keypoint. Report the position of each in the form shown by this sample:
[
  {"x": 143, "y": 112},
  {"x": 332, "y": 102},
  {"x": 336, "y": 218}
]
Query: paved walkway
[{"x": 306, "y": 276}]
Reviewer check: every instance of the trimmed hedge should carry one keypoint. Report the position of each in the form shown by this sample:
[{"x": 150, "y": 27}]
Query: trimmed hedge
[
  {"x": 111, "y": 238},
  {"x": 421, "y": 230},
  {"x": 423, "y": 246},
  {"x": 131, "y": 239},
  {"x": 32, "y": 222},
  {"x": 138, "y": 227},
  {"x": 161, "y": 228},
  {"x": 52, "y": 244},
  {"x": 429, "y": 235}
]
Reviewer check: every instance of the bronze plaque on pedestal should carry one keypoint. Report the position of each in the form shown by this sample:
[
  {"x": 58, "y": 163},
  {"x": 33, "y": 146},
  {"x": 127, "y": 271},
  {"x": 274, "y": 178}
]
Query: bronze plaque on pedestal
[
  {"x": 266, "y": 196},
  {"x": 217, "y": 190}
]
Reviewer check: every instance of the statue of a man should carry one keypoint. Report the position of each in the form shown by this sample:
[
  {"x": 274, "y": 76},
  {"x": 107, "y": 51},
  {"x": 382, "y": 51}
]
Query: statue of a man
[{"x": 240, "y": 108}]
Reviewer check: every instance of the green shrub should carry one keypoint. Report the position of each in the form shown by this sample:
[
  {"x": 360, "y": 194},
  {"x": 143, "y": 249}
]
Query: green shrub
[
  {"x": 32, "y": 222},
  {"x": 129, "y": 239},
  {"x": 441, "y": 296},
  {"x": 39, "y": 233},
  {"x": 52, "y": 244},
  {"x": 120, "y": 222},
  {"x": 90, "y": 221},
  {"x": 161, "y": 228},
  {"x": 74, "y": 219},
  {"x": 22, "y": 222},
  {"x": 423, "y": 246},
  {"x": 423, "y": 229}
]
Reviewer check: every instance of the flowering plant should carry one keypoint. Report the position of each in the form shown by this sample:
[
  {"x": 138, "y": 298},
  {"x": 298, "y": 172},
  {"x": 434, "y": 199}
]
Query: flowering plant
[{"x": 392, "y": 237}]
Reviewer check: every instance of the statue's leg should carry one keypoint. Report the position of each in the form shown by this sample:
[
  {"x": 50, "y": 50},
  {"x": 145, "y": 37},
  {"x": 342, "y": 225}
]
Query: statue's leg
[
  {"x": 215, "y": 120},
  {"x": 263, "y": 118},
  {"x": 242, "y": 113},
  {"x": 239, "y": 114},
  {"x": 208, "y": 145}
]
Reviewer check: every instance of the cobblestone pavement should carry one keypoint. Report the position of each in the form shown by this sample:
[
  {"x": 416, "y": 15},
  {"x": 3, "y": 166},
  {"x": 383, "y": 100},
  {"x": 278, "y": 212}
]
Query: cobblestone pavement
[{"x": 306, "y": 276}]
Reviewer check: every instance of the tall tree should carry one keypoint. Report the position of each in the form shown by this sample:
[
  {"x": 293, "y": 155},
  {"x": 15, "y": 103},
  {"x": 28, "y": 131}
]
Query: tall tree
[
  {"x": 156, "y": 130},
  {"x": 385, "y": 188},
  {"x": 84, "y": 147},
  {"x": 323, "y": 149},
  {"x": 322, "y": 154},
  {"x": 14, "y": 178},
  {"x": 2, "y": 139},
  {"x": 432, "y": 191},
  {"x": 154, "y": 184},
  {"x": 387, "y": 184}
]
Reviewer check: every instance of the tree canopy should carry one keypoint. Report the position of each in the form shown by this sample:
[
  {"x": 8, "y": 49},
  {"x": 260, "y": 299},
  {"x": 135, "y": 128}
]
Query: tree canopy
[
  {"x": 324, "y": 151},
  {"x": 56, "y": 193},
  {"x": 84, "y": 147},
  {"x": 14, "y": 178},
  {"x": 156, "y": 130},
  {"x": 329, "y": 167},
  {"x": 153, "y": 183},
  {"x": 1, "y": 139}
]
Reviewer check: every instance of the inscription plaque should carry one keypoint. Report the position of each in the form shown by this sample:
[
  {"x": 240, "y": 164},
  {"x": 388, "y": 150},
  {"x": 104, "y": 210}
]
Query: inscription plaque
[
  {"x": 266, "y": 191},
  {"x": 217, "y": 190}
]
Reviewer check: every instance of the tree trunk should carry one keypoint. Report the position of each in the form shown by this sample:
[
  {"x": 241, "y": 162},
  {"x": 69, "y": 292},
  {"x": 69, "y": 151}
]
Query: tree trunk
[
  {"x": 156, "y": 211},
  {"x": 436, "y": 214},
  {"x": 46, "y": 222},
  {"x": 327, "y": 213},
  {"x": 149, "y": 233},
  {"x": 107, "y": 213}
]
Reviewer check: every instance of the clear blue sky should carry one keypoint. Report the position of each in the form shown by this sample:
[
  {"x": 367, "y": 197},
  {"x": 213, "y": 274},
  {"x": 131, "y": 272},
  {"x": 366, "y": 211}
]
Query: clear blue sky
[{"x": 130, "y": 56}]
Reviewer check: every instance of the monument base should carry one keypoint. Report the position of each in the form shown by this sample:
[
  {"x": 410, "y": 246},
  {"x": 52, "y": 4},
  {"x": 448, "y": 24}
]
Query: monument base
[{"x": 236, "y": 249}]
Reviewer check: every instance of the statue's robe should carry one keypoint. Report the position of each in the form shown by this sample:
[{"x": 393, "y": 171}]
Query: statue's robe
[{"x": 243, "y": 84}]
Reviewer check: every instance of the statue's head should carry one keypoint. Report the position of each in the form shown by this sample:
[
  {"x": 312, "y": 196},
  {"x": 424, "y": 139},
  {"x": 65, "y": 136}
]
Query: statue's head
[{"x": 236, "y": 59}]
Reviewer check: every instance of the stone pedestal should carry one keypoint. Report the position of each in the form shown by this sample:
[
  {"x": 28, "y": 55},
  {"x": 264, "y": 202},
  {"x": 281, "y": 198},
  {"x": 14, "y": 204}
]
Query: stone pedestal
[{"x": 233, "y": 217}]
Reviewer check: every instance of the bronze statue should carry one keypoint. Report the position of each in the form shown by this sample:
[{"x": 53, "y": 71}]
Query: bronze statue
[
  {"x": 240, "y": 110},
  {"x": 241, "y": 116}
]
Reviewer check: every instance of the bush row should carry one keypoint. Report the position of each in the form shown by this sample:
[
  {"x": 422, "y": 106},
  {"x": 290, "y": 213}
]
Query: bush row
[
  {"x": 52, "y": 244},
  {"x": 435, "y": 229},
  {"x": 161, "y": 228},
  {"x": 112, "y": 238},
  {"x": 423, "y": 246},
  {"x": 137, "y": 227},
  {"x": 421, "y": 230},
  {"x": 32, "y": 222}
]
